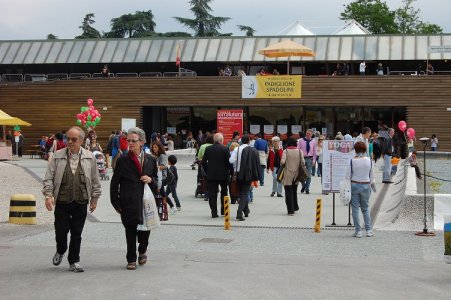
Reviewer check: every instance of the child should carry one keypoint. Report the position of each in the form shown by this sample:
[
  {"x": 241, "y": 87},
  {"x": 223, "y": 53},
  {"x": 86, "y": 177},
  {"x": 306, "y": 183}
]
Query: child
[
  {"x": 413, "y": 163},
  {"x": 394, "y": 164},
  {"x": 172, "y": 186}
]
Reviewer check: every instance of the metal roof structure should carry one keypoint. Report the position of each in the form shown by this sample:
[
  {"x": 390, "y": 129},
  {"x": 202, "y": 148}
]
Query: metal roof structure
[{"x": 221, "y": 49}]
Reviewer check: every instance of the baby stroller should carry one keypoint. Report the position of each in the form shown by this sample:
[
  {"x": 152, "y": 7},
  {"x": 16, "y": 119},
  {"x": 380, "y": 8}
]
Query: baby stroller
[
  {"x": 201, "y": 184},
  {"x": 101, "y": 166}
]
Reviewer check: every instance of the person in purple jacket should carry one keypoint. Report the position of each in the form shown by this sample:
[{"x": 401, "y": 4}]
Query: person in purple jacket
[{"x": 308, "y": 146}]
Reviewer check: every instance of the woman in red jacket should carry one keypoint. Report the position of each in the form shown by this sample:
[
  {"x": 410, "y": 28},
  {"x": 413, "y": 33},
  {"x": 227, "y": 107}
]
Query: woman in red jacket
[{"x": 275, "y": 154}]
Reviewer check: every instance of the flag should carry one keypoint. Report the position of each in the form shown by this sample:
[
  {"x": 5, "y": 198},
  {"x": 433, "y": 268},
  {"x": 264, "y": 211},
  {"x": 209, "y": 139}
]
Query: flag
[{"x": 177, "y": 60}]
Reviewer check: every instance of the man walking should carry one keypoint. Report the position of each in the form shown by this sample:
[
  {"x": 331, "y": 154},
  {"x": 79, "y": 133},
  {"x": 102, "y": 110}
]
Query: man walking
[
  {"x": 245, "y": 160},
  {"x": 216, "y": 163},
  {"x": 262, "y": 147},
  {"x": 387, "y": 152},
  {"x": 365, "y": 137},
  {"x": 71, "y": 181},
  {"x": 308, "y": 147}
]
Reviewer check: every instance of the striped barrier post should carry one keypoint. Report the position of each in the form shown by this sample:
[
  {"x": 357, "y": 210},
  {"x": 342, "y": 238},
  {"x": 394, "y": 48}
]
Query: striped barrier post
[
  {"x": 226, "y": 213},
  {"x": 318, "y": 216},
  {"x": 22, "y": 209}
]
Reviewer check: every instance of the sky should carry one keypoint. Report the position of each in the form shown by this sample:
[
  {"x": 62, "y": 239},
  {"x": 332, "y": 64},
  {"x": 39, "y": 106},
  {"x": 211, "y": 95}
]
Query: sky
[{"x": 35, "y": 19}]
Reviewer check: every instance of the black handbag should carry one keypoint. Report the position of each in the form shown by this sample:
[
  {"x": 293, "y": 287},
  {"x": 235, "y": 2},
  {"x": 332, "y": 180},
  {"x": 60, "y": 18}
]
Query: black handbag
[
  {"x": 302, "y": 171},
  {"x": 280, "y": 173}
]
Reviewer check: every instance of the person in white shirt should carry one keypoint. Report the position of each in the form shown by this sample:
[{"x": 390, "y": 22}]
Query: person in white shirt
[
  {"x": 364, "y": 137},
  {"x": 360, "y": 173},
  {"x": 362, "y": 68}
]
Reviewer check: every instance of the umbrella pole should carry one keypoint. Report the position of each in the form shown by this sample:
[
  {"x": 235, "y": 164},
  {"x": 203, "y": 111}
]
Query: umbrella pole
[
  {"x": 4, "y": 133},
  {"x": 288, "y": 66}
]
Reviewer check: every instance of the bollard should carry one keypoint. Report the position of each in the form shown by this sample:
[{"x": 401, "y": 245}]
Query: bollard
[
  {"x": 22, "y": 209},
  {"x": 226, "y": 213},
  {"x": 318, "y": 216}
]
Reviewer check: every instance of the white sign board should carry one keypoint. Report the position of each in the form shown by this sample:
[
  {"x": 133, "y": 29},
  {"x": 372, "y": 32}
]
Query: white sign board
[
  {"x": 336, "y": 157},
  {"x": 439, "y": 49},
  {"x": 127, "y": 124},
  {"x": 295, "y": 129},
  {"x": 268, "y": 129},
  {"x": 254, "y": 129},
  {"x": 282, "y": 129},
  {"x": 171, "y": 130}
]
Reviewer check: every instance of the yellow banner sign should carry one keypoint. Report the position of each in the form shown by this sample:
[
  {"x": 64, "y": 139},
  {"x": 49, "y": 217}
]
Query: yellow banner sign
[{"x": 271, "y": 87}]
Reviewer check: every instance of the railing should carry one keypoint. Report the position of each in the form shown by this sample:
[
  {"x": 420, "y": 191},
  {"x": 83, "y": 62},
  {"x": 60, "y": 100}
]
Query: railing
[
  {"x": 12, "y": 78},
  {"x": 35, "y": 77},
  {"x": 57, "y": 76},
  {"x": 126, "y": 75},
  {"x": 100, "y": 75},
  {"x": 150, "y": 74},
  {"x": 73, "y": 76}
]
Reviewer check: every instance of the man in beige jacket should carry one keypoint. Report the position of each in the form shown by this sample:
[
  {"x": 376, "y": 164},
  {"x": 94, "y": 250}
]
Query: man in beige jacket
[{"x": 70, "y": 183}]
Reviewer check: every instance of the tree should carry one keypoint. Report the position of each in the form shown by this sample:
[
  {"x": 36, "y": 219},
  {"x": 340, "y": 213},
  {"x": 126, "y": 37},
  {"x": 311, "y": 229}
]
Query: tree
[
  {"x": 204, "y": 24},
  {"x": 408, "y": 19},
  {"x": 88, "y": 32},
  {"x": 139, "y": 24},
  {"x": 51, "y": 36},
  {"x": 374, "y": 15},
  {"x": 247, "y": 29}
]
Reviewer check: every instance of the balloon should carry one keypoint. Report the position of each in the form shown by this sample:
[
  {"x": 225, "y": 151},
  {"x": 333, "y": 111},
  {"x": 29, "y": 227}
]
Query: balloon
[
  {"x": 88, "y": 123},
  {"x": 79, "y": 116},
  {"x": 93, "y": 125},
  {"x": 97, "y": 119},
  {"x": 89, "y": 117},
  {"x": 83, "y": 109},
  {"x": 411, "y": 133},
  {"x": 402, "y": 125},
  {"x": 78, "y": 122},
  {"x": 90, "y": 102}
]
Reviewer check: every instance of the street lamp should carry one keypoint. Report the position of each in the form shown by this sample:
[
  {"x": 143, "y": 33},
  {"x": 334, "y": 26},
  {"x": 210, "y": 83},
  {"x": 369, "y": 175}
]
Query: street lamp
[{"x": 425, "y": 232}]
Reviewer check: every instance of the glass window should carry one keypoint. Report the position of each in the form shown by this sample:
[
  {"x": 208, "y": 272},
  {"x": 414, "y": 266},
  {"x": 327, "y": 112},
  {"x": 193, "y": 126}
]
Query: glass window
[
  {"x": 154, "y": 51},
  {"x": 248, "y": 49},
  {"x": 188, "y": 52},
  {"x": 179, "y": 117},
  {"x": 11, "y": 53},
  {"x": 168, "y": 51},
  {"x": 358, "y": 48},
  {"x": 396, "y": 47},
  {"x": 3, "y": 48},
  {"x": 224, "y": 49},
  {"x": 384, "y": 48},
  {"x": 213, "y": 50},
  {"x": 96, "y": 56},
  {"x": 346, "y": 48},
  {"x": 371, "y": 48},
  {"x": 53, "y": 54},
  {"x": 204, "y": 118},
  {"x": 143, "y": 51},
  {"x": 131, "y": 51},
  {"x": 21, "y": 53},
  {"x": 321, "y": 47},
  {"x": 200, "y": 50},
  {"x": 43, "y": 53},
  {"x": 348, "y": 120},
  {"x": 292, "y": 115},
  {"x": 237, "y": 47},
  {"x": 76, "y": 52},
  {"x": 109, "y": 51},
  {"x": 29, "y": 59},
  {"x": 64, "y": 54},
  {"x": 333, "y": 48},
  {"x": 409, "y": 48},
  {"x": 320, "y": 119},
  {"x": 120, "y": 51},
  {"x": 87, "y": 52}
]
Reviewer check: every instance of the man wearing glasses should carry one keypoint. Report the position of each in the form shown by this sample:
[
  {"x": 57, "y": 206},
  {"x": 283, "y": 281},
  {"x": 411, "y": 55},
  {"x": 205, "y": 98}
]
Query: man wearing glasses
[{"x": 70, "y": 183}]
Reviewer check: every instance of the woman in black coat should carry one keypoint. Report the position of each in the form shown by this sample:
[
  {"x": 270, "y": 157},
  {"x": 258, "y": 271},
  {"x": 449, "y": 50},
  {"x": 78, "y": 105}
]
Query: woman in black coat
[{"x": 132, "y": 172}]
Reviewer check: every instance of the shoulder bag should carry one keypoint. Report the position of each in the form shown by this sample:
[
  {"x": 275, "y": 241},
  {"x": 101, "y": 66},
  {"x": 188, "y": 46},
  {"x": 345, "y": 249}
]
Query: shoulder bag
[
  {"x": 281, "y": 169},
  {"x": 302, "y": 171}
]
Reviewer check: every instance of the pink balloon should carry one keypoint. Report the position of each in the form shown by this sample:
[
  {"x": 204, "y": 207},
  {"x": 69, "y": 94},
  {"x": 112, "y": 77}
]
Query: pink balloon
[
  {"x": 402, "y": 125},
  {"x": 90, "y": 102},
  {"x": 411, "y": 133}
]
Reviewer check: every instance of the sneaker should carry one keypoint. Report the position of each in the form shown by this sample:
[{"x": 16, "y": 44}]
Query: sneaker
[
  {"x": 76, "y": 267},
  {"x": 369, "y": 233},
  {"x": 173, "y": 210},
  {"x": 57, "y": 258},
  {"x": 272, "y": 194},
  {"x": 357, "y": 234},
  {"x": 179, "y": 208}
]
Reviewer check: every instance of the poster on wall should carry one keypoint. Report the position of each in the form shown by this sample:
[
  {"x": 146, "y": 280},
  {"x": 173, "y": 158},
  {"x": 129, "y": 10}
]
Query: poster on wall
[
  {"x": 228, "y": 121},
  {"x": 126, "y": 124},
  {"x": 282, "y": 87},
  {"x": 295, "y": 129},
  {"x": 336, "y": 158},
  {"x": 268, "y": 131},
  {"x": 324, "y": 131},
  {"x": 283, "y": 131},
  {"x": 254, "y": 129},
  {"x": 171, "y": 130}
]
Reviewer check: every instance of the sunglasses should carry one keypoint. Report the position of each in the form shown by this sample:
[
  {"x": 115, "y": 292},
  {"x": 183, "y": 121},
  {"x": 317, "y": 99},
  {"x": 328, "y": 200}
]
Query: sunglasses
[
  {"x": 132, "y": 141},
  {"x": 73, "y": 140}
]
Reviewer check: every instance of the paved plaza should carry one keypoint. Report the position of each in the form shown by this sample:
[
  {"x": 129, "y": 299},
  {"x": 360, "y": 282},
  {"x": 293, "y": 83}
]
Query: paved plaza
[{"x": 268, "y": 256}]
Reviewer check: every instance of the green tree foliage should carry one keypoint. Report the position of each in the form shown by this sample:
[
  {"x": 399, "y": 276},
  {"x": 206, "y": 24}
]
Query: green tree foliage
[
  {"x": 204, "y": 24},
  {"x": 88, "y": 32},
  {"x": 51, "y": 36},
  {"x": 247, "y": 29},
  {"x": 139, "y": 24},
  {"x": 408, "y": 20},
  {"x": 374, "y": 15}
]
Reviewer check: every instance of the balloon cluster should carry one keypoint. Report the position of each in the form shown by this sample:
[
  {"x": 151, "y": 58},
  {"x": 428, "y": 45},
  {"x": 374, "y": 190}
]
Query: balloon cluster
[
  {"x": 89, "y": 116},
  {"x": 402, "y": 125}
]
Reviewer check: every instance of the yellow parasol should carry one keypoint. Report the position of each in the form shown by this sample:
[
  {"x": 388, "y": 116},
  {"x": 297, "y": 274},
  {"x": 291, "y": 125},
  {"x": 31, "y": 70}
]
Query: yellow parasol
[
  {"x": 6, "y": 119},
  {"x": 286, "y": 48}
]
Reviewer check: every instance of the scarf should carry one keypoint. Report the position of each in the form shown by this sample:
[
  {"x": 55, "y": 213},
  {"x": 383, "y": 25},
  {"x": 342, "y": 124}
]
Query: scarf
[
  {"x": 307, "y": 145},
  {"x": 135, "y": 160}
]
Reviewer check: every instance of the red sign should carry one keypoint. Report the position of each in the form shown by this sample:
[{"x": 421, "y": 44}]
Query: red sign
[{"x": 228, "y": 121}]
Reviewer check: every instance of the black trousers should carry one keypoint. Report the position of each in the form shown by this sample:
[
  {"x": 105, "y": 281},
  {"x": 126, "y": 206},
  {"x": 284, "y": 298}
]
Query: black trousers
[
  {"x": 143, "y": 240},
  {"x": 291, "y": 198},
  {"x": 69, "y": 217},
  {"x": 212, "y": 186},
  {"x": 243, "y": 192}
]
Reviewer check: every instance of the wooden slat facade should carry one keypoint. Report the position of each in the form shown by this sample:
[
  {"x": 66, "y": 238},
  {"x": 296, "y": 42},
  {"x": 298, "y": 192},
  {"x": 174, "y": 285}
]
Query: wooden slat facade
[{"x": 52, "y": 106}]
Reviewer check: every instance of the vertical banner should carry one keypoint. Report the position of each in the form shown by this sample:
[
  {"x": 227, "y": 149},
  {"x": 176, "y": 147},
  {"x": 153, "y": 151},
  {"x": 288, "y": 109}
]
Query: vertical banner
[
  {"x": 268, "y": 131},
  {"x": 324, "y": 131},
  {"x": 254, "y": 129},
  {"x": 228, "y": 121},
  {"x": 336, "y": 158},
  {"x": 171, "y": 130},
  {"x": 295, "y": 129},
  {"x": 283, "y": 131}
]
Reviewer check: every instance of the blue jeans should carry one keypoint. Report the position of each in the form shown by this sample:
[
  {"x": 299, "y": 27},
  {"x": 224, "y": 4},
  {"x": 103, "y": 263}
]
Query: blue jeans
[
  {"x": 262, "y": 175},
  {"x": 309, "y": 166},
  {"x": 319, "y": 170},
  {"x": 276, "y": 186},
  {"x": 434, "y": 148},
  {"x": 360, "y": 198},
  {"x": 387, "y": 168},
  {"x": 172, "y": 188}
]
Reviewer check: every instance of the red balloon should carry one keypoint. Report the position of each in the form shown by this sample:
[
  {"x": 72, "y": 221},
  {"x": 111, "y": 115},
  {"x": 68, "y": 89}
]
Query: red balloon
[
  {"x": 402, "y": 125},
  {"x": 90, "y": 102},
  {"x": 411, "y": 133}
]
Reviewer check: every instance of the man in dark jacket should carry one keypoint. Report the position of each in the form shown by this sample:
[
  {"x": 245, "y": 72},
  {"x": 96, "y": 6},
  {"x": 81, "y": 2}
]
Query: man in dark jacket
[
  {"x": 247, "y": 163},
  {"x": 216, "y": 163},
  {"x": 387, "y": 152}
]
